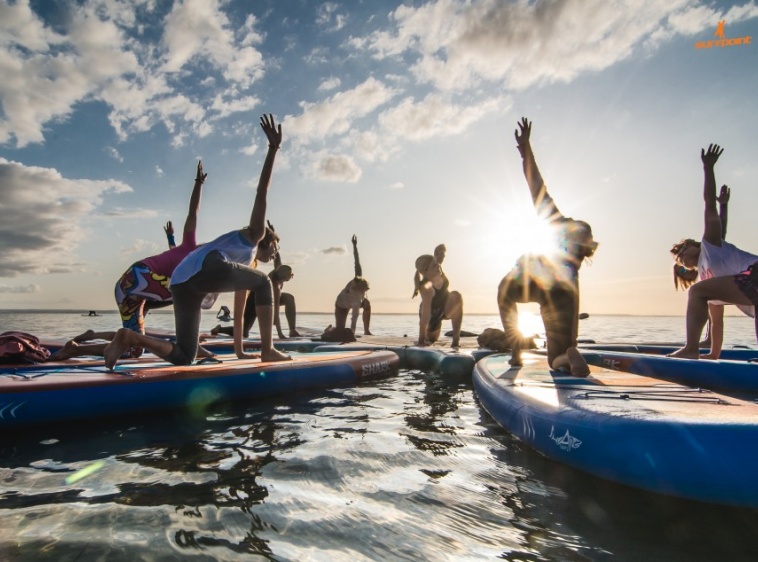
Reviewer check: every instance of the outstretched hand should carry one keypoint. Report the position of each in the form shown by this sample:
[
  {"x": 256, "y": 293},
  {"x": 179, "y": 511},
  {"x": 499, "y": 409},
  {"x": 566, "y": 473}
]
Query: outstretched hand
[
  {"x": 711, "y": 157},
  {"x": 272, "y": 130},
  {"x": 200, "y": 175},
  {"x": 169, "y": 229},
  {"x": 355, "y": 240},
  {"x": 526, "y": 130},
  {"x": 723, "y": 197}
]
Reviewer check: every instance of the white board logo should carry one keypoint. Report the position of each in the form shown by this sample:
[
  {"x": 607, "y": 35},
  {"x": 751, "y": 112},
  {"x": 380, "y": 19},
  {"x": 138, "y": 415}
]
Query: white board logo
[
  {"x": 567, "y": 442},
  {"x": 374, "y": 369}
]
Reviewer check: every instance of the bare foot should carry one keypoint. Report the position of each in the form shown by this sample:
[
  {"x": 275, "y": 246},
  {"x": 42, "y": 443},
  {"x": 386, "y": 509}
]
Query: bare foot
[
  {"x": 579, "y": 367},
  {"x": 456, "y": 343},
  {"x": 273, "y": 354},
  {"x": 86, "y": 336},
  {"x": 215, "y": 330},
  {"x": 121, "y": 342},
  {"x": 202, "y": 352},
  {"x": 686, "y": 353},
  {"x": 295, "y": 334},
  {"x": 66, "y": 352},
  {"x": 367, "y": 333}
]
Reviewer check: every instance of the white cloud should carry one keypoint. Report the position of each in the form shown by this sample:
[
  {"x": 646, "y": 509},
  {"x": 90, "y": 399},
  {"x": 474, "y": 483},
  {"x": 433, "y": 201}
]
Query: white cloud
[
  {"x": 336, "y": 115},
  {"x": 96, "y": 53},
  {"x": 141, "y": 247},
  {"x": 330, "y": 84},
  {"x": 44, "y": 217},
  {"x": 113, "y": 153},
  {"x": 337, "y": 167},
  {"x": 458, "y": 44},
  {"x": 159, "y": 171},
  {"x": 327, "y": 16}
]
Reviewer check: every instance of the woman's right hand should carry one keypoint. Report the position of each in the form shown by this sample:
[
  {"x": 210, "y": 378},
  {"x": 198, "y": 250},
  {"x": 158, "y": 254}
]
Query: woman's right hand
[
  {"x": 710, "y": 157},
  {"x": 272, "y": 130},
  {"x": 526, "y": 131},
  {"x": 200, "y": 176}
]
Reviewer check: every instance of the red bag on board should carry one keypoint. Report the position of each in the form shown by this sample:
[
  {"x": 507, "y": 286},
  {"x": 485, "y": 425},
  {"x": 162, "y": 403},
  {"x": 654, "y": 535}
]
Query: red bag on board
[{"x": 20, "y": 347}]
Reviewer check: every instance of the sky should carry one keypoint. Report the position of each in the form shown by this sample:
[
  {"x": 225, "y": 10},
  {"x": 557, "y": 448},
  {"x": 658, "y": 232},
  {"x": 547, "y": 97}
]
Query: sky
[{"x": 398, "y": 123}]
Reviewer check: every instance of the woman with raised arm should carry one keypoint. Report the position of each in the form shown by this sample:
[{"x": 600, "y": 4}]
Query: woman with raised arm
[
  {"x": 552, "y": 281},
  {"x": 223, "y": 265},
  {"x": 353, "y": 298},
  {"x": 279, "y": 276},
  {"x": 684, "y": 278},
  {"x": 147, "y": 281},
  {"x": 727, "y": 273},
  {"x": 438, "y": 302}
]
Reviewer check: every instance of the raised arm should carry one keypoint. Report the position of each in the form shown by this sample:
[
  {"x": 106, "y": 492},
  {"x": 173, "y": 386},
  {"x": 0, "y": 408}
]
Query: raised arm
[
  {"x": 356, "y": 259},
  {"x": 257, "y": 227},
  {"x": 542, "y": 201},
  {"x": 723, "y": 200},
  {"x": 190, "y": 223},
  {"x": 169, "y": 230},
  {"x": 712, "y": 229}
]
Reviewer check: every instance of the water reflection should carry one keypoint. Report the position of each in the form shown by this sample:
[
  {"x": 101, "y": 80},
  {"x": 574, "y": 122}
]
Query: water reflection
[{"x": 409, "y": 468}]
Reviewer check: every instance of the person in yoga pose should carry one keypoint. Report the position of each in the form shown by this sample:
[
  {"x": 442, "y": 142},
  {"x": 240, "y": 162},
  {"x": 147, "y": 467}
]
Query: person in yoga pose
[
  {"x": 279, "y": 276},
  {"x": 727, "y": 273},
  {"x": 353, "y": 298},
  {"x": 438, "y": 302},
  {"x": 147, "y": 280},
  {"x": 222, "y": 265},
  {"x": 550, "y": 280}
]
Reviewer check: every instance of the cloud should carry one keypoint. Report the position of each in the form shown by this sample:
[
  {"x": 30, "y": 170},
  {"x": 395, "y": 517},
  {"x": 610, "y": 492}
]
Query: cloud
[
  {"x": 337, "y": 167},
  {"x": 44, "y": 217},
  {"x": 327, "y": 16},
  {"x": 99, "y": 50},
  {"x": 338, "y": 250},
  {"x": 159, "y": 171},
  {"x": 130, "y": 213},
  {"x": 330, "y": 84},
  {"x": 456, "y": 45},
  {"x": 142, "y": 247},
  {"x": 336, "y": 115},
  {"x": 20, "y": 289},
  {"x": 113, "y": 153}
]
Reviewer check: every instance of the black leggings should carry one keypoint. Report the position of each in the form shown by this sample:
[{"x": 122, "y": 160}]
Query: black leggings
[
  {"x": 215, "y": 276},
  {"x": 286, "y": 300}
]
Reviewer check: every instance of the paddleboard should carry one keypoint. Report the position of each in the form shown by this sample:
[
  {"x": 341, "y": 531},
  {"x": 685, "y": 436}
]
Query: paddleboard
[
  {"x": 446, "y": 361},
  {"x": 637, "y": 431},
  {"x": 735, "y": 354},
  {"x": 59, "y": 392},
  {"x": 723, "y": 375}
]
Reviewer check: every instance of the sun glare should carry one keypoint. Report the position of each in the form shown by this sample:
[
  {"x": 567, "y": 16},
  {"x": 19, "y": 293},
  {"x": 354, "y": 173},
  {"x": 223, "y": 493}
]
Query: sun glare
[
  {"x": 536, "y": 235},
  {"x": 530, "y": 323}
]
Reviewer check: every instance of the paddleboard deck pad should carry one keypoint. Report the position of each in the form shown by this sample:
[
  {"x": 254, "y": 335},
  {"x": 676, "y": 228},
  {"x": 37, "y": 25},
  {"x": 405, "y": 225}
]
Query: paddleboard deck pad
[
  {"x": 59, "y": 392},
  {"x": 721, "y": 375},
  {"x": 634, "y": 430}
]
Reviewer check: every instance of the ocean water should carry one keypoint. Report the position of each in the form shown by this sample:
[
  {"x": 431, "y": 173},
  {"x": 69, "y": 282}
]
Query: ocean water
[{"x": 410, "y": 468}]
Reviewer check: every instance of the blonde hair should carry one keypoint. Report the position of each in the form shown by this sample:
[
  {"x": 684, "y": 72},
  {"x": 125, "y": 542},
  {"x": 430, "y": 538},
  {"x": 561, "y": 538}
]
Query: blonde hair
[{"x": 423, "y": 263}]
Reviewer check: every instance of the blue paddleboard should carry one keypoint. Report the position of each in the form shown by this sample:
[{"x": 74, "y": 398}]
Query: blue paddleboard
[
  {"x": 637, "y": 431},
  {"x": 50, "y": 393},
  {"x": 723, "y": 375},
  {"x": 734, "y": 354}
]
